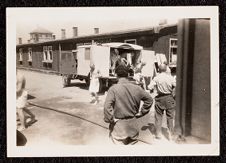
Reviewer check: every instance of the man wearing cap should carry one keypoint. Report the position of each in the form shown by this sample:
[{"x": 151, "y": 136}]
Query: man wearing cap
[
  {"x": 164, "y": 84},
  {"x": 122, "y": 107}
]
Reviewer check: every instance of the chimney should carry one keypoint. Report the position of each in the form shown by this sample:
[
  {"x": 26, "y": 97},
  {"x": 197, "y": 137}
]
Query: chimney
[
  {"x": 75, "y": 31},
  {"x": 163, "y": 22},
  {"x": 53, "y": 36},
  {"x": 63, "y": 33},
  {"x": 20, "y": 40},
  {"x": 96, "y": 30}
]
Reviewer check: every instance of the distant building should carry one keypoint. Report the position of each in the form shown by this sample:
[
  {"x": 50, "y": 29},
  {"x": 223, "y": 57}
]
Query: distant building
[{"x": 40, "y": 35}]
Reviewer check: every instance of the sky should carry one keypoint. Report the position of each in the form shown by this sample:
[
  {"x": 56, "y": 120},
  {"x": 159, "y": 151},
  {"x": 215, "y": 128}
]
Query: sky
[{"x": 107, "y": 19}]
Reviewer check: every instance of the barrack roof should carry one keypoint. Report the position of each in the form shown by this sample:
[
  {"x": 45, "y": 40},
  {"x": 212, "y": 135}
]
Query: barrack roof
[{"x": 41, "y": 30}]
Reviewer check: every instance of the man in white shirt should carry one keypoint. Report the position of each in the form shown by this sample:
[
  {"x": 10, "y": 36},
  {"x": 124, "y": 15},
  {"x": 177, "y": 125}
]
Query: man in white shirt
[{"x": 164, "y": 101}]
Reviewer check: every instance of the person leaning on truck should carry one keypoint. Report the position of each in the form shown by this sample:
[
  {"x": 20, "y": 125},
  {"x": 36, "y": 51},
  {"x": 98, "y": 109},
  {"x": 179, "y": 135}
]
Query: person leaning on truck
[
  {"x": 121, "y": 108},
  {"x": 164, "y": 84}
]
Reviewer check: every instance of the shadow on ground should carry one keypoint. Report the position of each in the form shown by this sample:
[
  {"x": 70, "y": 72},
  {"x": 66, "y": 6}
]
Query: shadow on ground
[
  {"x": 79, "y": 84},
  {"x": 30, "y": 97},
  {"x": 152, "y": 129}
]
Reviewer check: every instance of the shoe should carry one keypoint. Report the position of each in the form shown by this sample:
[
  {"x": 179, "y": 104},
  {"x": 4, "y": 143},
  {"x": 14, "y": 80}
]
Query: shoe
[
  {"x": 32, "y": 121},
  {"x": 158, "y": 136},
  {"x": 92, "y": 101},
  {"x": 96, "y": 102},
  {"x": 21, "y": 128}
]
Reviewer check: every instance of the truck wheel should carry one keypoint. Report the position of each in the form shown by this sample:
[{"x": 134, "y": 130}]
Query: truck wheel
[{"x": 66, "y": 80}]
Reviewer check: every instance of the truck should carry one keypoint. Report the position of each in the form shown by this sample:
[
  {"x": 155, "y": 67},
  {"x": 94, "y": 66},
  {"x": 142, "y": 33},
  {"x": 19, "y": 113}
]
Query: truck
[{"x": 75, "y": 64}]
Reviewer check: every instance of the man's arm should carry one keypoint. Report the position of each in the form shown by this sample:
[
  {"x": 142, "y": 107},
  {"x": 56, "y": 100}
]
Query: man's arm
[
  {"x": 152, "y": 84},
  {"x": 148, "y": 101},
  {"x": 19, "y": 83},
  {"x": 108, "y": 107}
]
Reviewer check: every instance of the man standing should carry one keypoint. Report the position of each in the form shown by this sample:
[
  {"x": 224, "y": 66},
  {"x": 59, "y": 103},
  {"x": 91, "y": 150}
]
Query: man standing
[
  {"x": 164, "y": 84},
  {"x": 122, "y": 107},
  {"x": 21, "y": 101}
]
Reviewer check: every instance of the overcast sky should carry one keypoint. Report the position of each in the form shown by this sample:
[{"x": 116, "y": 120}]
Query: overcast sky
[{"x": 106, "y": 19}]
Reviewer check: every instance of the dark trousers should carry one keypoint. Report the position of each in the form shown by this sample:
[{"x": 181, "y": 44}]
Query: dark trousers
[{"x": 167, "y": 103}]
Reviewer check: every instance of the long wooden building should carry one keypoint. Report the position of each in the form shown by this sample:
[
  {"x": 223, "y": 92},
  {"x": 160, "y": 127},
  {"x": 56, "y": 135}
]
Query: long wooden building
[{"x": 45, "y": 55}]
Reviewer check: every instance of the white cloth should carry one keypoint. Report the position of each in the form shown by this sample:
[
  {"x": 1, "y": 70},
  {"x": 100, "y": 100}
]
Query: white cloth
[
  {"x": 21, "y": 100},
  {"x": 94, "y": 83}
]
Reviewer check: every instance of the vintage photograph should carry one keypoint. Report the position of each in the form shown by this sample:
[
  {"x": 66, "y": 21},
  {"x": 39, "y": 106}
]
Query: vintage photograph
[{"x": 112, "y": 81}]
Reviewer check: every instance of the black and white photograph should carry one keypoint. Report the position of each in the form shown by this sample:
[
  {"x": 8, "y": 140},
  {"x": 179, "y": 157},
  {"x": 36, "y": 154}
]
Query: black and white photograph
[{"x": 112, "y": 81}]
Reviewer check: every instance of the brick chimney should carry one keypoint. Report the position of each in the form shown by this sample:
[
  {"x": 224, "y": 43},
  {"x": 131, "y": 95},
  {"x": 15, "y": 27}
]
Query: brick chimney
[
  {"x": 75, "y": 31},
  {"x": 63, "y": 33},
  {"x": 20, "y": 40},
  {"x": 96, "y": 30}
]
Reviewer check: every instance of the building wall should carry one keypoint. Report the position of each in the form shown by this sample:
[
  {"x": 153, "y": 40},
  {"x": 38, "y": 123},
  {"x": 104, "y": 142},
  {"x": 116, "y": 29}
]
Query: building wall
[
  {"x": 193, "y": 112},
  {"x": 161, "y": 45},
  {"x": 201, "y": 112},
  {"x": 148, "y": 39},
  {"x": 37, "y": 57}
]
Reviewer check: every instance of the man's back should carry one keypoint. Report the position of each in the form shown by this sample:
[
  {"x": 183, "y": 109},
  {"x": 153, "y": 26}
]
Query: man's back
[
  {"x": 164, "y": 83},
  {"x": 125, "y": 97}
]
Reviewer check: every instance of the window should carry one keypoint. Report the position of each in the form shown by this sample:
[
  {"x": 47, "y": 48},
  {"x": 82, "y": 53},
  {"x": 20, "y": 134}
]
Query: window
[
  {"x": 172, "y": 51},
  {"x": 29, "y": 54},
  {"x": 87, "y": 53},
  {"x": 131, "y": 41},
  {"x": 21, "y": 56},
  {"x": 47, "y": 54},
  {"x": 50, "y": 52}
]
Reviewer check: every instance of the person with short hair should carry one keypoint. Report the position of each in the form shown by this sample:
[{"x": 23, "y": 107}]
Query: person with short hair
[
  {"x": 164, "y": 101},
  {"x": 21, "y": 101},
  {"x": 122, "y": 108}
]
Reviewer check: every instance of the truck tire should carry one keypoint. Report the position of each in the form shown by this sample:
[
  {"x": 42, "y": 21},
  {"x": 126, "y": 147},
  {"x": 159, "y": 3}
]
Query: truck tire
[{"x": 66, "y": 80}]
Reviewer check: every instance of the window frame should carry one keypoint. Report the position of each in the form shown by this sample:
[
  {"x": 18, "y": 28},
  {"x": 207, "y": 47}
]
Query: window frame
[
  {"x": 29, "y": 55},
  {"x": 87, "y": 57},
  {"x": 47, "y": 52},
  {"x": 20, "y": 54},
  {"x": 130, "y": 40},
  {"x": 171, "y": 46}
]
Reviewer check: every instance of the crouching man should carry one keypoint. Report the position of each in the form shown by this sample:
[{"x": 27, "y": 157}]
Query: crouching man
[{"x": 121, "y": 108}]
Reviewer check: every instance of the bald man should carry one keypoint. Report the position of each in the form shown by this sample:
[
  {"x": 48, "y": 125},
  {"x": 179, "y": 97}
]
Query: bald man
[{"x": 164, "y": 101}]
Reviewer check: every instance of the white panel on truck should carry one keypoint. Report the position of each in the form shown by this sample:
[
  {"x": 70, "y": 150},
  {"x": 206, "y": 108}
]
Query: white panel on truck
[
  {"x": 101, "y": 59},
  {"x": 148, "y": 57},
  {"x": 83, "y": 61}
]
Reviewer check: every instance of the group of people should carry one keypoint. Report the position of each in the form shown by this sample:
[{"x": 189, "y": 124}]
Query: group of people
[{"x": 122, "y": 105}]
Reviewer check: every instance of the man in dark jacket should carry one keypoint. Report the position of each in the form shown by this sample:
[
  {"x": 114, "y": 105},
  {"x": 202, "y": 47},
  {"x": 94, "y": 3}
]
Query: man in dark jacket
[{"x": 122, "y": 107}]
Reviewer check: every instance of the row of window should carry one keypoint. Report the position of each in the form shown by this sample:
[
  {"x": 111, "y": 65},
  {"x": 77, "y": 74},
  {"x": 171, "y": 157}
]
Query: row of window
[{"x": 48, "y": 52}]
